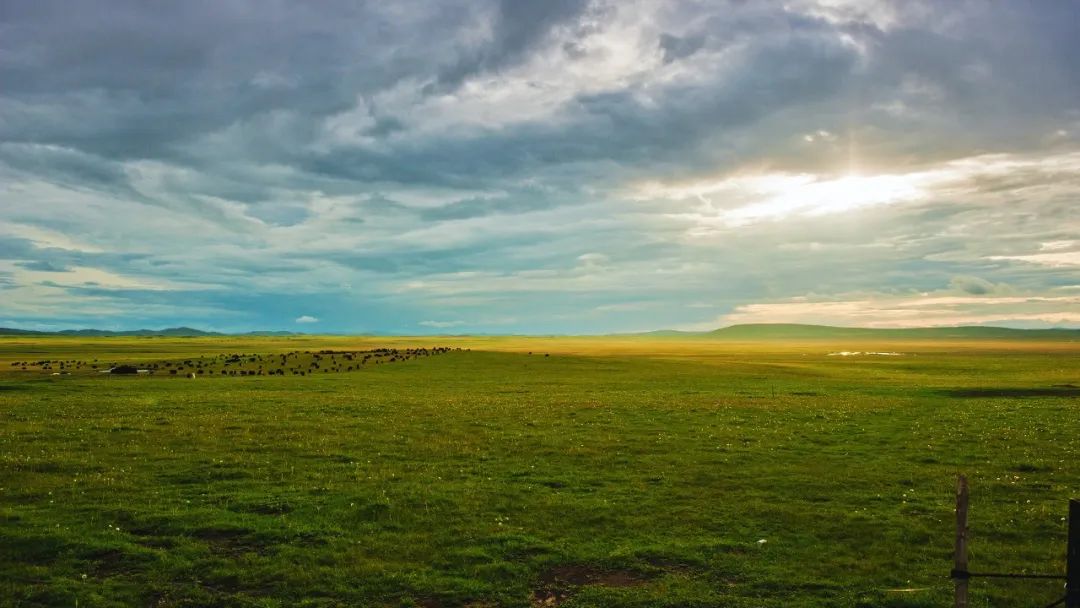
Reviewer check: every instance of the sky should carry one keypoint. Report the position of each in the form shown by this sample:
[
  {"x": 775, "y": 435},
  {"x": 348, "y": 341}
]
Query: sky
[{"x": 567, "y": 166}]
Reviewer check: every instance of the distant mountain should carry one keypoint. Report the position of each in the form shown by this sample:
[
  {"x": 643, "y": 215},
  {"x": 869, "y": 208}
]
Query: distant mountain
[
  {"x": 171, "y": 332},
  {"x": 8, "y": 331},
  {"x": 748, "y": 332},
  {"x": 792, "y": 331}
]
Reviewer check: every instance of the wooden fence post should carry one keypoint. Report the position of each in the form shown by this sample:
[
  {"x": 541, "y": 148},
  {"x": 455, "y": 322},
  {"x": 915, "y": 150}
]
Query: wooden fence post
[
  {"x": 1072, "y": 553},
  {"x": 960, "y": 553}
]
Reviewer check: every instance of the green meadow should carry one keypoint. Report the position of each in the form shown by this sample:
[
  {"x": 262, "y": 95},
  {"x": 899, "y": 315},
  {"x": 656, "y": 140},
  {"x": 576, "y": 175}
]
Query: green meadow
[{"x": 645, "y": 471}]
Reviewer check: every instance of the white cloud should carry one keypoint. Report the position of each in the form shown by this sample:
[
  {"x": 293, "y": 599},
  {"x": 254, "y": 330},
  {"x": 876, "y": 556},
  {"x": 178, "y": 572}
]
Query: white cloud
[
  {"x": 929, "y": 310},
  {"x": 741, "y": 200},
  {"x": 1056, "y": 259},
  {"x": 717, "y": 204},
  {"x": 441, "y": 324},
  {"x": 593, "y": 260},
  {"x": 306, "y": 319},
  {"x": 613, "y": 51}
]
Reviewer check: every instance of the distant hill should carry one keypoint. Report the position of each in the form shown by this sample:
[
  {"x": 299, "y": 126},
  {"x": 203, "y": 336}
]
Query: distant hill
[
  {"x": 792, "y": 331},
  {"x": 748, "y": 332},
  {"x": 8, "y": 331},
  {"x": 171, "y": 332}
]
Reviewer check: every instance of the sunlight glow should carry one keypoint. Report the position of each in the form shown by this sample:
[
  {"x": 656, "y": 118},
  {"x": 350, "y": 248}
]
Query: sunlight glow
[
  {"x": 748, "y": 199},
  {"x": 785, "y": 195}
]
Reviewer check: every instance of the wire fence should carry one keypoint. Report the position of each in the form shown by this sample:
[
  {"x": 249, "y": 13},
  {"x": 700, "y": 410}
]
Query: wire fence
[{"x": 961, "y": 575}]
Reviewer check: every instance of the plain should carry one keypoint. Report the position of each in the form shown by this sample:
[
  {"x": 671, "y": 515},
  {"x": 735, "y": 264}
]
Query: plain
[{"x": 632, "y": 471}]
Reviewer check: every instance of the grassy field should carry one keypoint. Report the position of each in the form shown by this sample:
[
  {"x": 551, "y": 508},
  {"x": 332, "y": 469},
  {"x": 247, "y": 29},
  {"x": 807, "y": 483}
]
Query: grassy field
[{"x": 591, "y": 472}]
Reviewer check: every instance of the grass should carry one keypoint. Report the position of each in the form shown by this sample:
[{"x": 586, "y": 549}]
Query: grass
[{"x": 614, "y": 472}]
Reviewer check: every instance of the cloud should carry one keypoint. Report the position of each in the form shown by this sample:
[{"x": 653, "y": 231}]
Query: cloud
[
  {"x": 42, "y": 265},
  {"x": 1054, "y": 259},
  {"x": 675, "y": 47},
  {"x": 929, "y": 310},
  {"x": 441, "y": 324},
  {"x": 513, "y": 29},
  {"x": 306, "y": 319},
  {"x": 977, "y": 287},
  {"x": 544, "y": 164},
  {"x": 593, "y": 260}
]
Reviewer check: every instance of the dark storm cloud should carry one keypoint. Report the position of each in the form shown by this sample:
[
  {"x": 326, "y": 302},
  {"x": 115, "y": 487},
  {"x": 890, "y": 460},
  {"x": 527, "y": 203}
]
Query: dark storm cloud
[
  {"x": 517, "y": 28},
  {"x": 131, "y": 79},
  {"x": 675, "y": 47},
  {"x": 138, "y": 82},
  {"x": 616, "y": 128},
  {"x": 65, "y": 166}
]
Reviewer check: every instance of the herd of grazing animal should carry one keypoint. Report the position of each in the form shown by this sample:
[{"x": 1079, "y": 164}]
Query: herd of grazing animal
[{"x": 295, "y": 363}]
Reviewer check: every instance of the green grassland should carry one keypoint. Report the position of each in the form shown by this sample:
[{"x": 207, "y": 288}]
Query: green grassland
[{"x": 632, "y": 471}]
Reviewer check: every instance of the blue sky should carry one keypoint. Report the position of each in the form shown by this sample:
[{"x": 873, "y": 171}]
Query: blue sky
[{"x": 538, "y": 167}]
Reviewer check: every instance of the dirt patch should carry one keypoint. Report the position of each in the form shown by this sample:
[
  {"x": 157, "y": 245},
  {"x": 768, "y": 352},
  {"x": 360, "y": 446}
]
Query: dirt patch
[
  {"x": 269, "y": 507},
  {"x": 232, "y": 541},
  {"x": 558, "y": 584},
  {"x": 1059, "y": 390},
  {"x": 669, "y": 564},
  {"x": 155, "y": 542},
  {"x": 307, "y": 539},
  {"x": 107, "y": 563},
  {"x": 430, "y": 602}
]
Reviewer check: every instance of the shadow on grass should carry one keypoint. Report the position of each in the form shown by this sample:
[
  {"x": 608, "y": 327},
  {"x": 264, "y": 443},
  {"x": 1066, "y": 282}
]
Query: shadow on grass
[{"x": 1058, "y": 390}]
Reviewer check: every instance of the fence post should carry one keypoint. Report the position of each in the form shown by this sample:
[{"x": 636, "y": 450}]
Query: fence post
[
  {"x": 1072, "y": 554},
  {"x": 960, "y": 553}
]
